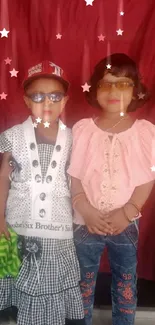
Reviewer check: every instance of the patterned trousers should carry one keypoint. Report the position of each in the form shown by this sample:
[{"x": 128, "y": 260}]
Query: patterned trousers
[{"x": 122, "y": 252}]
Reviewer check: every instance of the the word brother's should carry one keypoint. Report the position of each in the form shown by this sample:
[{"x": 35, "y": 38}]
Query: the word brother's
[{"x": 38, "y": 225}]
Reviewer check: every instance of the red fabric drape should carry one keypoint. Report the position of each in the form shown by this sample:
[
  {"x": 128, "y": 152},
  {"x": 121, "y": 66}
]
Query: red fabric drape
[{"x": 33, "y": 26}]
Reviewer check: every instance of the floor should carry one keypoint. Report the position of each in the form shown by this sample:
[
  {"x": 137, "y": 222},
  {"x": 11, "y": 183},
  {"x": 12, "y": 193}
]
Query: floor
[{"x": 103, "y": 317}]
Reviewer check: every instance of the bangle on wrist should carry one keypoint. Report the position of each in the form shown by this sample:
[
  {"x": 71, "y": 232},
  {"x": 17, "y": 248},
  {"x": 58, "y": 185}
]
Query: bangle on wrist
[
  {"x": 76, "y": 198},
  {"x": 137, "y": 216},
  {"x": 135, "y": 205}
]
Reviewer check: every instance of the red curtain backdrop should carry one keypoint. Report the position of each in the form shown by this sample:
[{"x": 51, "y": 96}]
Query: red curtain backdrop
[{"x": 33, "y": 26}]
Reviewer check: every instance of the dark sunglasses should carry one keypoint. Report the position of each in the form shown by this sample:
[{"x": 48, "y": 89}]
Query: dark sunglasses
[{"x": 40, "y": 97}]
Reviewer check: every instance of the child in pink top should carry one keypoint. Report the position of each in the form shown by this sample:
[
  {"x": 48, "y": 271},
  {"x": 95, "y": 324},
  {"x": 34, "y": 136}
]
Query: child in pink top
[{"x": 111, "y": 180}]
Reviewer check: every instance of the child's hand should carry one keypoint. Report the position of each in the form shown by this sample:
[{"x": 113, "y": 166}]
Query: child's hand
[
  {"x": 118, "y": 221},
  {"x": 96, "y": 223},
  {"x": 3, "y": 228}
]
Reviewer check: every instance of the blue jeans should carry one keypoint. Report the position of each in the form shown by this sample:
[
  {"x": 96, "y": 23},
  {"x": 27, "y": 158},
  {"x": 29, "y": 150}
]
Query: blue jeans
[{"x": 122, "y": 252}]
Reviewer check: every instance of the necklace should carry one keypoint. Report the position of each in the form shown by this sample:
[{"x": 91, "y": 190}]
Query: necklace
[{"x": 114, "y": 124}]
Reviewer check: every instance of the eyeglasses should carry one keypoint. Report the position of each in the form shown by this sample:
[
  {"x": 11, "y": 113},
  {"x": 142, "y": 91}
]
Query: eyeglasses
[
  {"x": 120, "y": 85},
  {"x": 40, "y": 97}
]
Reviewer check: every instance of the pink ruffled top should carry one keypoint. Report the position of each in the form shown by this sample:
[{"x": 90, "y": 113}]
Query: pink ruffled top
[{"x": 110, "y": 166}]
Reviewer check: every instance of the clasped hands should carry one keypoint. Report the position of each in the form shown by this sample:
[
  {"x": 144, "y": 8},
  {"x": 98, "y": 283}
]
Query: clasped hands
[{"x": 113, "y": 223}]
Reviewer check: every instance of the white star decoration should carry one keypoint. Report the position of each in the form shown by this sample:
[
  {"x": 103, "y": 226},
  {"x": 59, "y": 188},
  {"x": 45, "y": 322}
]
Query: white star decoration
[
  {"x": 108, "y": 66},
  {"x": 13, "y": 73},
  {"x": 62, "y": 127},
  {"x": 46, "y": 124},
  {"x": 89, "y": 2},
  {"x": 101, "y": 38},
  {"x": 119, "y": 32},
  {"x": 3, "y": 96},
  {"x": 35, "y": 125},
  {"x": 58, "y": 36},
  {"x": 121, "y": 113},
  {"x": 4, "y": 33},
  {"x": 153, "y": 168},
  {"x": 121, "y": 13},
  {"x": 85, "y": 87},
  {"x": 38, "y": 120},
  {"x": 141, "y": 96}
]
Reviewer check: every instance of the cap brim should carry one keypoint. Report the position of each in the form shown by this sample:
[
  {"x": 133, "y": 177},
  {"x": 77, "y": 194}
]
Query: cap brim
[{"x": 29, "y": 80}]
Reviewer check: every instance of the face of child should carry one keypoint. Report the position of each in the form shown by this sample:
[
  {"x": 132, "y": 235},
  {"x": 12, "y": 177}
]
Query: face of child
[
  {"x": 114, "y": 94},
  {"x": 48, "y": 108}
]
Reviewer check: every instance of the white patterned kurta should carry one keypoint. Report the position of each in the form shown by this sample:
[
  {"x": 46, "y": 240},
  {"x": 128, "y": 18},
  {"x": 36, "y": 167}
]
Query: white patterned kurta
[{"x": 46, "y": 290}]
